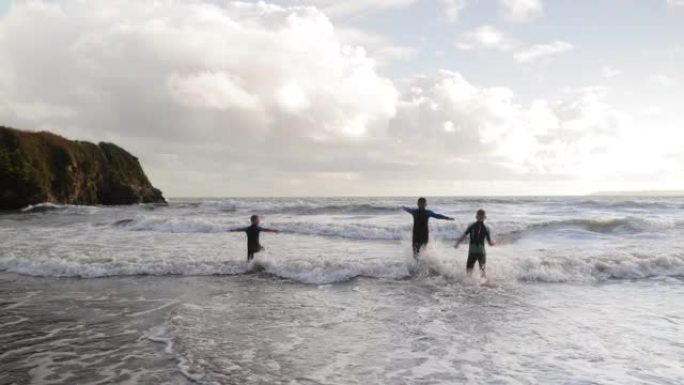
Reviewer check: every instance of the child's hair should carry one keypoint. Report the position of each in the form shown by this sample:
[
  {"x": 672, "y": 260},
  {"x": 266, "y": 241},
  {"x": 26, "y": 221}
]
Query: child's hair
[
  {"x": 480, "y": 212},
  {"x": 253, "y": 218},
  {"x": 422, "y": 200}
]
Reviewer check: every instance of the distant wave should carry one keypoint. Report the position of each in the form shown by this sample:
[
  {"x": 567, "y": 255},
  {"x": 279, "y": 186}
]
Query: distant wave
[
  {"x": 615, "y": 225},
  {"x": 69, "y": 209},
  {"x": 294, "y": 206},
  {"x": 508, "y": 232},
  {"x": 526, "y": 269},
  {"x": 43, "y": 207},
  {"x": 346, "y": 230},
  {"x": 59, "y": 208},
  {"x": 631, "y": 204},
  {"x": 571, "y": 269}
]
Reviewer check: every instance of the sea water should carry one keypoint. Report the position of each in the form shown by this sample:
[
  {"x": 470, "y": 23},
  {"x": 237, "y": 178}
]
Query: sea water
[{"x": 581, "y": 290}]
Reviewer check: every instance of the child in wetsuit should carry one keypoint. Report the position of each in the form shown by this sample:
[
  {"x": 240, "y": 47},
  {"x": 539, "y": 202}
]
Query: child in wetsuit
[
  {"x": 253, "y": 245},
  {"x": 476, "y": 252},
  {"x": 420, "y": 224}
]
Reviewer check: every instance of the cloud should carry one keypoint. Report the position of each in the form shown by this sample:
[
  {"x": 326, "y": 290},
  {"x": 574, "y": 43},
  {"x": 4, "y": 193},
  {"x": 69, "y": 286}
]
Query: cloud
[
  {"x": 486, "y": 132},
  {"x": 453, "y": 8},
  {"x": 539, "y": 52},
  {"x": 609, "y": 72},
  {"x": 485, "y": 36},
  {"x": 521, "y": 10},
  {"x": 211, "y": 90},
  {"x": 193, "y": 57},
  {"x": 675, "y": 3},
  {"x": 336, "y": 8},
  {"x": 663, "y": 80},
  {"x": 489, "y": 37},
  {"x": 652, "y": 111},
  {"x": 259, "y": 99},
  {"x": 383, "y": 50}
]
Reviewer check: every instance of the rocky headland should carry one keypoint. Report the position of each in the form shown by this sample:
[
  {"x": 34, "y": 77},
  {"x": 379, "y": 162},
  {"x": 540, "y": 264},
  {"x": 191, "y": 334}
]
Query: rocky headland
[{"x": 38, "y": 167}]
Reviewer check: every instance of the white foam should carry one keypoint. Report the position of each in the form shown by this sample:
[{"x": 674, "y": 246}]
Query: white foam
[
  {"x": 159, "y": 334},
  {"x": 321, "y": 271},
  {"x": 571, "y": 269}
]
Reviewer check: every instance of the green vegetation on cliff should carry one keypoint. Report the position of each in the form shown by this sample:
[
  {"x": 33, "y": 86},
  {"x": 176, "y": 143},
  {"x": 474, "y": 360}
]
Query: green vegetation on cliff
[{"x": 38, "y": 167}]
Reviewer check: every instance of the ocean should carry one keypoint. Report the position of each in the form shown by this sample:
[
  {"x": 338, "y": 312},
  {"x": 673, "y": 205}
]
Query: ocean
[{"x": 581, "y": 290}]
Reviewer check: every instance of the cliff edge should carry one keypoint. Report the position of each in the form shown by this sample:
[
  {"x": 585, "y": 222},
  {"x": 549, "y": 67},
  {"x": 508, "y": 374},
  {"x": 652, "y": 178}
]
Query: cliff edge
[{"x": 38, "y": 167}]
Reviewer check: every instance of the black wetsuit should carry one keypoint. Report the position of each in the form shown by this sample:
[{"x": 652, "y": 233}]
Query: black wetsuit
[
  {"x": 421, "y": 232},
  {"x": 253, "y": 245},
  {"x": 476, "y": 251}
]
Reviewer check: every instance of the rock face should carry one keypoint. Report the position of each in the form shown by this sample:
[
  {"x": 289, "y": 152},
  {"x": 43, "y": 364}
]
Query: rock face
[{"x": 38, "y": 167}]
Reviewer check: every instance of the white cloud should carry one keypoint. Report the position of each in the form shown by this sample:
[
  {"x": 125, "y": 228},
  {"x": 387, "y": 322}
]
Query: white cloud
[
  {"x": 252, "y": 98},
  {"x": 491, "y": 134},
  {"x": 609, "y": 72},
  {"x": 542, "y": 51},
  {"x": 675, "y": 3},
  {"x": 383, "y": 50},
  {"x": 212, "y": 90},
  {"x": 198, "y": 56},
  {"x": 39, "y": 110},
  {"x": 521, "y": 10},
  {"x": 453, "y": 8},
  {"x": 663, "y": 80},
  {"x": 652, "y": 111},
  {"x": 486, "y": 36},
  {"x": 489, "y": 37},
  {"x": 336, "y": 8}
]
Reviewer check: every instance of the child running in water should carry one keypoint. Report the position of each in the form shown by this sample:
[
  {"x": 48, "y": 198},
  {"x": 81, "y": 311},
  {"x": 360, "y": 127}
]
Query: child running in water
[
  {"x": 476, "y": 252},
  {"x": 253, "y": 245},
  {"x": 420, "y": 224}
]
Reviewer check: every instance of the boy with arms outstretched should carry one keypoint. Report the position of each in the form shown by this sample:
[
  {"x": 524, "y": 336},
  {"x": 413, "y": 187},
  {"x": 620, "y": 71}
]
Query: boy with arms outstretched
[
  {"x": 420, "y": 224},
  {"x": 476, "y": 252},
  {"x": 253, "y": 245}
]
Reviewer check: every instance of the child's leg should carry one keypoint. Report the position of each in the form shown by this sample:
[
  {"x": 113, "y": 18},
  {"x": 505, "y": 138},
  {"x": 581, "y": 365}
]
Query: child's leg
[
  {"x": 482, "y": 261},
  {"x": 416, "y": 249},
  {"x": 250, "y": 256},
  {"x": 471, "y": 263}
]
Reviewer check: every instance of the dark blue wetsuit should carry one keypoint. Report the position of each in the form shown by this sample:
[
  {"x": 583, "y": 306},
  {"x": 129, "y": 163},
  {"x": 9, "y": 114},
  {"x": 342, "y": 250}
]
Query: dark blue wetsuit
[
  {"x": 476, "y": 251},
  {"x": 420, "y": 226},
  {"x": 253, "y": 245}
]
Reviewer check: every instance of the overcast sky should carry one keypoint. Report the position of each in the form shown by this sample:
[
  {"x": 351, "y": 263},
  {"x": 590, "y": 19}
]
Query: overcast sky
[{"x": 362, "y": 97}]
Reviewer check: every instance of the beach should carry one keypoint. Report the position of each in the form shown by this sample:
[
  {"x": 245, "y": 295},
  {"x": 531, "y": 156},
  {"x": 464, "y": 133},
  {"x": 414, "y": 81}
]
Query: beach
[{"x": 582, "y": 290}]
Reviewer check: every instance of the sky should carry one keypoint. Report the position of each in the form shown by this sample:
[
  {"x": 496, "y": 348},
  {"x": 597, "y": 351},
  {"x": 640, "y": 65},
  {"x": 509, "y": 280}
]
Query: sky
[{"x": 360, "y": 97}]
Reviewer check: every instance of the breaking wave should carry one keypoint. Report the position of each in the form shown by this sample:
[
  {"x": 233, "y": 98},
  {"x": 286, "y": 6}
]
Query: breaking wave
[
  {"x": 551, "y": 270},
  {"x": 364, "y": 230},
  {"x": 290, "y": 206}
]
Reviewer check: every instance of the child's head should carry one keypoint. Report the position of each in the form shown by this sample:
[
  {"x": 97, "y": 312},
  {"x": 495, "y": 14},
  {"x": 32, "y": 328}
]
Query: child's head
[
  {"x": 480, "y": 215},
  {"x": 422, "y": 202},
  {"x": 255, "y": 219}
]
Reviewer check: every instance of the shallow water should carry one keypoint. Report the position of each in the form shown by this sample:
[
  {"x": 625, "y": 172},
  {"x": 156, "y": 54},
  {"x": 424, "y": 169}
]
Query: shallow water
[
  {"x": 254, "y": 329},
  {"x": 581, "y": 292}
]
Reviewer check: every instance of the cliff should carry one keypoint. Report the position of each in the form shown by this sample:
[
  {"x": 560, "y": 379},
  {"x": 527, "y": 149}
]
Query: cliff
[{"x": 38, "y": 167}]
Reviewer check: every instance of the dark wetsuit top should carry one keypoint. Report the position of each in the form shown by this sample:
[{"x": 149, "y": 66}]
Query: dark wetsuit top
[
  {"x": 420, "y": 224},
  {"x": 253, "y": 245},
  {"x": 478, "y": 234}
]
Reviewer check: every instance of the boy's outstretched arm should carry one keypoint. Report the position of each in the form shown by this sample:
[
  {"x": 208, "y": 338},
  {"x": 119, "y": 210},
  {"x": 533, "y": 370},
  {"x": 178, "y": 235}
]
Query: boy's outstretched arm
[
  {"x": 439, "y": 216},
  {"x": 270, "y": 230},
  {"x": 409, "y": 210},
  {"x": 238, "y": 230}
]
